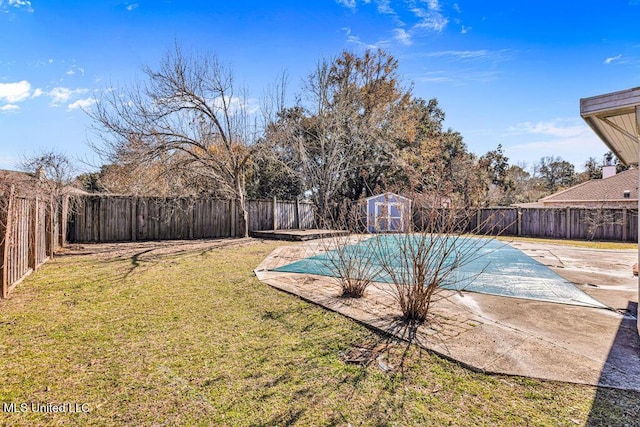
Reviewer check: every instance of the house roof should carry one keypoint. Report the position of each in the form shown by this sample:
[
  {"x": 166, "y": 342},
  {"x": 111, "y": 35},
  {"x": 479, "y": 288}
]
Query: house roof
[
  {"x": 600, "y": 190},
  {"x": 615, "y": 117},
  {"x": 27, "y": 184}
]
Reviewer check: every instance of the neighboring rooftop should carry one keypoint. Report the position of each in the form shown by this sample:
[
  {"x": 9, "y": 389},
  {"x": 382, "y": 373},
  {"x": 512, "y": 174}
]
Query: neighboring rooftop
[
  {"x": 29, "y": 184},
  {"x": 618, "y": 190}
]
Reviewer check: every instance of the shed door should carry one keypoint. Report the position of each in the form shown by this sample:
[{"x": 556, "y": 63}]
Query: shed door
[{"x": 388, "y": 216}]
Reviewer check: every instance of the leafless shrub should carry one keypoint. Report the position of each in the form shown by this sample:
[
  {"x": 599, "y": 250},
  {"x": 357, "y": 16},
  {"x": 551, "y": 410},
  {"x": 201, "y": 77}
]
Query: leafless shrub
[
  {"x": 353, "y": 264},
  {"x": 420, "y": 264}
]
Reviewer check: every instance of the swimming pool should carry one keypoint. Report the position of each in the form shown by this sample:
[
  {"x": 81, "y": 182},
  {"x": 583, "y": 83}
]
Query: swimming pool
[{"x": 492, "y": 267}]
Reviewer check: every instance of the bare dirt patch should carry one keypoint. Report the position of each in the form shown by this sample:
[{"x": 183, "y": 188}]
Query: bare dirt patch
[{"x": 154, "y": 247}]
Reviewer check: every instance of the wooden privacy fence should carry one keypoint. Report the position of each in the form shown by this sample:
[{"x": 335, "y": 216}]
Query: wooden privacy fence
[
  {"x": 615, "y": 224},
  {"x": 31, "y": 230},
  {"x": 125, "y": 218}
]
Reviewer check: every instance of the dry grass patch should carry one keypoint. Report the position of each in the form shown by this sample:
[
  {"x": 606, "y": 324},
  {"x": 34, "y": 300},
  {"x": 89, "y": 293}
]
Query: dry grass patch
[
  {"x": 577, "y": 243},
  {"x": 190, "y": 337}
]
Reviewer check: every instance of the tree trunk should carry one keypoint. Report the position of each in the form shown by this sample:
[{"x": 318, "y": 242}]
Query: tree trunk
[{"x": 242, "y": 205}]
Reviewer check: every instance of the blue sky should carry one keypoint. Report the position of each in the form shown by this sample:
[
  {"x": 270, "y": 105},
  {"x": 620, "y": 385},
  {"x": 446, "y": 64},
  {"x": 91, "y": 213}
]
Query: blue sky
[{"x": 505, "y": 72}]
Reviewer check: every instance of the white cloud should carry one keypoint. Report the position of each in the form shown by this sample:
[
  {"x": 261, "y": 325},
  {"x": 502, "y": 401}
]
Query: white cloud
[
  {"x": 424, "y": 16},
  {"x": 465, "y": 30},
  {"x": 569, "y": 138},
  {"x": 81, "y": 104},
  {"x": 402, "y": 36},
  {"x": 433, "y": 5},
  {"x": 559, "y": 128},
  {"x": 9, "y": 107},
  {"x": 430, "y": 19},
  {"x": 12, "y": 93},
  {"x": 479, "y": 55},
  {"x": 572, "y": 149},
  {"x": 18, "y": 4},
  {"x": 612, "y": 58},
  {"x": 356, "y": 40},
  {"x": 237, "y": 104},
  {"x": 131, "y": 7},
  {"x": 351, "y": 4},
  {"x": 458, "y": 76},
  {"x": 435, "y": 77},
  {"x": 15, "y": 92},
  {"x": 60, "y": 95},
  {"x": 75, "y": 69},
  {"x": 384, "y": 7}
]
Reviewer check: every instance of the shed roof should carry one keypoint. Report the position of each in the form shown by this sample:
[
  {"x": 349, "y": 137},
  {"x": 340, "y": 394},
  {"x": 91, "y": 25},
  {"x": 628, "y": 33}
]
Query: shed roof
[
  {"x": 600, "y": 190},
  {"x": 387, "y": 194}
]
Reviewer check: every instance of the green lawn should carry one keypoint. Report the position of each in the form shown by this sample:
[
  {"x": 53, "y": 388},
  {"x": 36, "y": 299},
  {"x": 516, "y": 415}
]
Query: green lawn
[{"x": 192, "y": 338}]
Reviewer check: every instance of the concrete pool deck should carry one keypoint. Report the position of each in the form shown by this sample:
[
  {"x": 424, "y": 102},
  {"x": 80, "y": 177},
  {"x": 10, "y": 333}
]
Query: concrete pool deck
[{"x": 506, "y": 335}]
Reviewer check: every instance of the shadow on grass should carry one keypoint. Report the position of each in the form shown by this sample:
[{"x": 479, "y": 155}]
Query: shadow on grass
[
  {"x": 615, "y": 403},
  {"x": 389, "y": 353}
]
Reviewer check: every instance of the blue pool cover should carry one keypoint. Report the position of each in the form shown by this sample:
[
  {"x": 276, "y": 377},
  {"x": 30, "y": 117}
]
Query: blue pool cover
[{"x": 491, "y": 267}]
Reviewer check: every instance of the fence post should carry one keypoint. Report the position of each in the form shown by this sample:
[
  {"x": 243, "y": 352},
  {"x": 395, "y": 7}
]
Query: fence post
[
  {"x": 297, "y": 214},
  {"x": 568, "y": 213},
  {"x": 232, "y": 218},
  {"x": 519, "y": 221},
  {"x": 4, "y": 278},
  {"x": 134, "y": 219},
  {"x": 63, "y": 220},
  {"x": 51, "y": 232},
  {"x": 33, "y": 239},
  {"x": 624, "y": 224},
  {"x": 191, "y": 216},
  {"x": 275, "y": 213}
]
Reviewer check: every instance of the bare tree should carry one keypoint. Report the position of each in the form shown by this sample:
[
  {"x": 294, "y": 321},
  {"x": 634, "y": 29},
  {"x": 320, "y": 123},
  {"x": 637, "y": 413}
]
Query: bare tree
[
  {"x": 189, "y": 116},
  {"x": 597, "y": 218},
  {"x": 341, "y": 134},
  {"x": 53, "y": 169}
]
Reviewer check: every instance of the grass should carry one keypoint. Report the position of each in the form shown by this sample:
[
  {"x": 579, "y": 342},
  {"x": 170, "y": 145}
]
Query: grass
[
  {"x": 576, "y": 243},
  {"x": 192, "y": 338}
]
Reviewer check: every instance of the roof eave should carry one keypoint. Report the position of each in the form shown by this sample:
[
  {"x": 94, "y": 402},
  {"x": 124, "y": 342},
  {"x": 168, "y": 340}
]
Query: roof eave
[{"x": 597, "y": 110}]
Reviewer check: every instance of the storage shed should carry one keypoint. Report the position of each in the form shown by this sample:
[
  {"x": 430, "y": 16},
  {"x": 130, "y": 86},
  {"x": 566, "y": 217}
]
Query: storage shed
[{"x": 388, "y": 212}]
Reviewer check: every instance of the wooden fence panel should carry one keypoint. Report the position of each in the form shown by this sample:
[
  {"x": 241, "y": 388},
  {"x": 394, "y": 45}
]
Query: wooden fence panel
[
  {"x": 260, "y": 215},
  {"x": 286, "y": 215},
  {"x": 114, "y": 218},
  {"x": 101, "y": 218},
  {"x": 543, "y": 222},
  {"x": 497, "y": 221},
  {"x": 27, "y": 236},
  {"x": 211, "y": 218},
  {"x": 41, "y": 234},
  {"x": 307, "y": 216},
  {"x": 18, "y": 261},
  {"x": 632, "y": 225}
]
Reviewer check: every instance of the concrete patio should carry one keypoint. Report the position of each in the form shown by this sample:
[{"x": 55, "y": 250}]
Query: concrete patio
[{"x": 505, "y": 335}]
